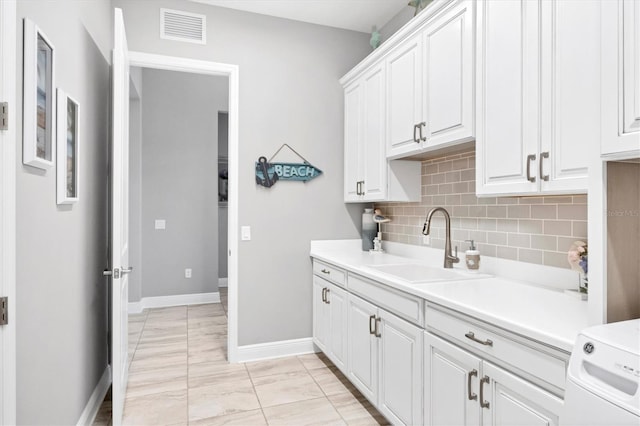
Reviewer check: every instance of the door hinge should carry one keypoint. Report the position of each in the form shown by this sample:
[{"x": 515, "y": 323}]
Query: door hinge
[
  {"x": 4, "y": 116},
  {"x": 4, "y": 311}
]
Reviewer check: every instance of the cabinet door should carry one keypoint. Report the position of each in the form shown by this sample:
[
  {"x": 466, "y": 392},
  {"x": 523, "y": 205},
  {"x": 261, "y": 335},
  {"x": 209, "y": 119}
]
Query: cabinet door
[
  {"x": 449, "y": 69},
  {"x": 373, "y": 145},
  {"x": 404, "y": 96},
  {"x": 451, "y": 381},
  {"x": 362, "y": 348},
  {"x": 631, "y": 67},
  {"x": 507, "y": 98},
  {"x": 337, "y": 339},
  {"x": 620, "y": 78},
  {"x": 400, "y": 392},
  {"x": 352, "y": 141},
  {"x": 514, "y": 401},
  {"x": 320, "y": 316},
  {"x": 570, "y": 93}
]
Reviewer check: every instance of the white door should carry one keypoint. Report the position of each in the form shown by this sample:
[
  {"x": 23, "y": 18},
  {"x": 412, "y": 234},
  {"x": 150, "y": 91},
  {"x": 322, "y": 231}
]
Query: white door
[
  {"x": 337, "y": 300},
  {"x": 119, "y": 217},
  {"x": 451, "y": 384},
  {"x": 620, "y": 20},
  {"x": 507, "y": 97},
  {"x": 352, "y": 142},
  {"x": 363, "y": 347},
  {"x": 320, "y": 320},
  {"x": 7, "y": 212},
  {"x": 400, "y": 356},
  {"x": 404, "y": 97},
  {"x": 514, "y": 401},
  {"x": 571, "y": 94},
  {"x": 449, "y": 69},
  {"x": 373, "y": 145}
]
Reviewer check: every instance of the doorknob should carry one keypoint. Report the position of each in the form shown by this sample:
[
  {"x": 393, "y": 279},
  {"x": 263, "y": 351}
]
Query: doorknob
[{"x": 126, "y": 270}]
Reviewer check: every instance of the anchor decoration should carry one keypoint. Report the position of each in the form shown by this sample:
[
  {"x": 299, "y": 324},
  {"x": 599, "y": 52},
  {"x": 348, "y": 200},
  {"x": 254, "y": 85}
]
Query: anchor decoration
[{"x": 269, "y": 172}]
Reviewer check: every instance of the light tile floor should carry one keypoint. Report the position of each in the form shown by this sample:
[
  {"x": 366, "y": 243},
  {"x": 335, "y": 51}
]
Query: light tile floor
[{"x": 179, "y": 375}]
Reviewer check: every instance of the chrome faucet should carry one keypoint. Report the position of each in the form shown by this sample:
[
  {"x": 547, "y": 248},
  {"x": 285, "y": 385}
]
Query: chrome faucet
[{"x": 449, "y": 258}]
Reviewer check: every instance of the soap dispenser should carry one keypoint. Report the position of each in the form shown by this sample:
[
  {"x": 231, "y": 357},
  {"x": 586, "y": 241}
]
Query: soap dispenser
[{"x": 472, "y": 257}]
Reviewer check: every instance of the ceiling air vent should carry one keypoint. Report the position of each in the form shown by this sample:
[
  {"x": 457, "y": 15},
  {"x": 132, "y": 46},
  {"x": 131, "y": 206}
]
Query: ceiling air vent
[{"x": 183, "y": 26}]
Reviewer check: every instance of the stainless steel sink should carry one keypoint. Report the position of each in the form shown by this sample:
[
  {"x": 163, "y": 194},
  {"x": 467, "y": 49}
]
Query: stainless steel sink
[{"x": 420, "y": 273}]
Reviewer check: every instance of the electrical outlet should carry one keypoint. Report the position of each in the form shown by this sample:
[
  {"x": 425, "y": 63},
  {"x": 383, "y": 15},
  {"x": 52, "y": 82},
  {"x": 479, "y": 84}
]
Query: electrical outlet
[{"x": 187, "y": 273}]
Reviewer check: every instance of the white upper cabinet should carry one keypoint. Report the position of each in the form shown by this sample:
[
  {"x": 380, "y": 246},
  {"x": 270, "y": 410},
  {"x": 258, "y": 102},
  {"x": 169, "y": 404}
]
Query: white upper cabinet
[
  {"x": 430, "y": 85},
  {"x": 537, "y": 96},
  {"x": 374, "y": 161},
  {"x": 620, "y": 79},
  {"x": 353, "y": 163},
  {"x": 404, "y": 91},
  {"x": 368, "y": 175},
  {"x": 449, "y": 75},
  {"x": 570, "y": 95},
  {"x": 508, "y": 95}
]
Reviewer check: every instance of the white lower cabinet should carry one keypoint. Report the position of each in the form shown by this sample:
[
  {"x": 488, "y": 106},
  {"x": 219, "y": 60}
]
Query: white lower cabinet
[
  {"x": 385, "y": 361},
  {"x": 463, "y": 389},
  {"x": 330, "y": 321}
]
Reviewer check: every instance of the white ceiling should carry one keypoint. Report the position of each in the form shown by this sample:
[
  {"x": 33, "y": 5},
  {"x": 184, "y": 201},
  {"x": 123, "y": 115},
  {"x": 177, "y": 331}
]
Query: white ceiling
[{"x": 357, "y": 15}]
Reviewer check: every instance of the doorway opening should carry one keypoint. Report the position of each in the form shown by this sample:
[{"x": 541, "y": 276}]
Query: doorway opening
[{"x": 186, "y": 184}]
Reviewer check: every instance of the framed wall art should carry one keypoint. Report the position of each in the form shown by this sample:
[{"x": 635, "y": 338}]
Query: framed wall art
[
  {"x": 68, "y": 149},
  {"x": 38, "y": 136}
]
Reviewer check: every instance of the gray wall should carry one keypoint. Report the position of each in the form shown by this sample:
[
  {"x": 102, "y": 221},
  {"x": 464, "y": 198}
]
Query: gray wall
[
  {"x": 289, "y": 92},
  {"x": 61, "y": 311},
  {"x": 179, "y": 181}
]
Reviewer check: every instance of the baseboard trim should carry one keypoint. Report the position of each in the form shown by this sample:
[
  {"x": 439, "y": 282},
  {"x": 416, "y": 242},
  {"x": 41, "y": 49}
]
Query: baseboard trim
[
  {"x": 262, "y": 351},
  {"x": 223, "y": 282},
  {"x": 90, "y": 411},
  {"x": 176, "y": 300}
]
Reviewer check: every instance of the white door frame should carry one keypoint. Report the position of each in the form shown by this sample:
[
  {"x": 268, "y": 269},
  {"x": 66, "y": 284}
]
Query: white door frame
[
  {"x": 172, "y": 63},
  {"x": 8, "y": 143}
]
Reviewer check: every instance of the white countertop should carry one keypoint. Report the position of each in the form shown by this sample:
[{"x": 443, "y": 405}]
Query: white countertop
[{"x": 540, "y": 313}]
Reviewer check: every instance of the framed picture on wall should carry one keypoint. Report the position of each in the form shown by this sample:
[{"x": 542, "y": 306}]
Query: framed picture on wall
[
  {"x": 68, "y": 149},
  {"x": 38, "y": 136}
]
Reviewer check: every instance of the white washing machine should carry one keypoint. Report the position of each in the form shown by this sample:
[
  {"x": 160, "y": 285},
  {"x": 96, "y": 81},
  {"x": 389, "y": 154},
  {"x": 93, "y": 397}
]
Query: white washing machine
[{"x": 603, "y": 381}]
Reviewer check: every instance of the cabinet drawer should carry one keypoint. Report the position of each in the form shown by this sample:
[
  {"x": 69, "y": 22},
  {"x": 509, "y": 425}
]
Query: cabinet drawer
[
  {"x": 330, "y": 273},
  {"x": 525, "y": 355},
  {"x": 402, "y": 304}
]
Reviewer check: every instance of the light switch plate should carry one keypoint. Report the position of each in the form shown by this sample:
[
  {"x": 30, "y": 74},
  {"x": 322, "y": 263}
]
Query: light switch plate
[
  {"x": 161, "y": 224},
  {"x": 245, "y": 233}
]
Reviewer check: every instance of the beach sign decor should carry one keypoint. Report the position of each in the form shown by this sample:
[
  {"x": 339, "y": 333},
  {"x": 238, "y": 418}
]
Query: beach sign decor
[{"x": 269, "y": 172}]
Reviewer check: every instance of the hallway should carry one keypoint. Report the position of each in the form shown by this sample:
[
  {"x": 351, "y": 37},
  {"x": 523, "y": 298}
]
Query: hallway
[{"x": 179, "y": 375}]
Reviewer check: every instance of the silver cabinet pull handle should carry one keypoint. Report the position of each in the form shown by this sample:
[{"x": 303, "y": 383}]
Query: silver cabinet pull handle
[
  {"x": 372, "y": 320},
  {"x": 470, "y": 395},
  {"x": 324, "y": 298},
  {"x": 362, "y": 191},
  {"x": 327, "y": 296},
  {"x": 421, "y": 125},
  {"x": 325, "y": 271},
  {"x": 415, "y": 129},
  {"x": 543, "y": 177},
  {"x": 483, "y": 403},
  {"x": 377, "y": 331},
  {"x": 530, "y": 158},
  {"x": 471, "y": 336}
]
